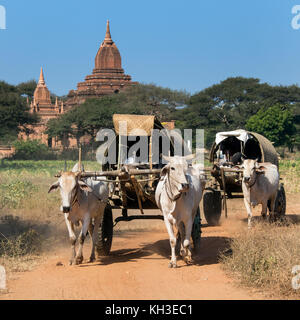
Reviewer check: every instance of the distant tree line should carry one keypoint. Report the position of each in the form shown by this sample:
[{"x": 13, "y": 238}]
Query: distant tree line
[
  {"x": 234, "y": 103},
  {"x": 94, "y": 114},
  {"x": 273, "y": 111}
]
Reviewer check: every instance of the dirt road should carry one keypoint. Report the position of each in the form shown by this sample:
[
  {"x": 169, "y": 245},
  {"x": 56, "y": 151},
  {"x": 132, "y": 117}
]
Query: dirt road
[{"x": 138, "y": 269}]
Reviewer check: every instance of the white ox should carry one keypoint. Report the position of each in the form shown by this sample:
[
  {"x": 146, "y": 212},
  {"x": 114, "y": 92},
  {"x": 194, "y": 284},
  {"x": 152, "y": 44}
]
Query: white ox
[
  {"x": 178, "y": 195},
  {"x": 81, "y": 202},
  {"x": 260, "y": 184}
]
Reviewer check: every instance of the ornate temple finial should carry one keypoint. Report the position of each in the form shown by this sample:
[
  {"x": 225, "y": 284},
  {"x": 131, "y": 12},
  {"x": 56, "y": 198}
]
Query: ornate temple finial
[
  {"x": 56, "y": 105},
  {"x": 62, "y": 107},
  {"x": 107, "y": 35},
  {"x": 41, "y": 80}
]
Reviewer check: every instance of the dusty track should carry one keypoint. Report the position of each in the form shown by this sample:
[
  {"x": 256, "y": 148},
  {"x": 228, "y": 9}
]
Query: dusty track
[{"x": 138, "y": 269}]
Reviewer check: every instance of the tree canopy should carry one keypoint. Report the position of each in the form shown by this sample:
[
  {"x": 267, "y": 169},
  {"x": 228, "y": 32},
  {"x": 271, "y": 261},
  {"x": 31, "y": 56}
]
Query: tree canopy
[
  {"x": 229, "y": 104},
  {"x": 95, "y": 114},
  {"x": 275, "y": 123},
  {"x": 27, "y": 88},
  {"x": 14, "y": 115}
]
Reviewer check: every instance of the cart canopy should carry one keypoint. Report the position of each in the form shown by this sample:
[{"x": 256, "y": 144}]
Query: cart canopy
[
  {"x": 240, "y": 134},
  {"x": 137, "y": 125},
  {"x": 251, "y": 144}
]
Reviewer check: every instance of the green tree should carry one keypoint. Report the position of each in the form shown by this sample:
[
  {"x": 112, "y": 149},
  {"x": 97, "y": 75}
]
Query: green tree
[
  {"x": 229, "y": 104},
  {"x": 276, "y": 123},
  {"x": 14, "y": 115},
  {"x": 27, "y": 88},
  {"x": 95, "y": 114}
]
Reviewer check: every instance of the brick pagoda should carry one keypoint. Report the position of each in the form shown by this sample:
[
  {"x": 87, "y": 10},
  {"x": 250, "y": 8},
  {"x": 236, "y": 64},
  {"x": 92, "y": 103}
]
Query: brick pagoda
[
  {"x": 108, "y": 76},
  {"x": 42, "y": 105}
]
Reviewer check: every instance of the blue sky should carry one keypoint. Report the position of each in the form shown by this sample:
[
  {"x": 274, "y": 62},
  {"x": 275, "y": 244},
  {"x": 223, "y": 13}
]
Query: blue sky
[{"x": 177, "y": 44}]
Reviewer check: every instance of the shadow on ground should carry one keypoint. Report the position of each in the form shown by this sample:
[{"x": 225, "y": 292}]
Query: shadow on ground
[
  {"x": 12, "y": 226},
  {"x": 209, "y": 252}
]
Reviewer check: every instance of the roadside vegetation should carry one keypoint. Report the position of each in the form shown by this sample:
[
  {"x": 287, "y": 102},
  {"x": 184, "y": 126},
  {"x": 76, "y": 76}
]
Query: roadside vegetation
[
  {"x": 264, "y": 256},
  {"x": 290, "y": 174},
  {"x": 30, "y": 220}
]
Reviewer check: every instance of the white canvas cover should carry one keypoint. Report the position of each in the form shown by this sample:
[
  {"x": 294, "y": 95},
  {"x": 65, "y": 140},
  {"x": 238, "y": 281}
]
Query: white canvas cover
[{"x": 240, "y": 134}]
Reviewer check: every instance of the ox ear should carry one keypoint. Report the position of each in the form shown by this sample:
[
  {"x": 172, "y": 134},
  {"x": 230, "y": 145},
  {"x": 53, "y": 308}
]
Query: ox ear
[
  {"x": 261, "y": 169},
  {"x": 53, "y": 186},
  {"x": 83, "y": 186},
  {"x": 257, "y": 165},
  {"x": 164, "y": 170}
]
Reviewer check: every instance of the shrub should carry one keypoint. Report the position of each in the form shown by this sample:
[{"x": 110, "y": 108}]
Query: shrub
[
  {"x": 18, "y": 237},
  {"x": 32, "y": 150},
  {"x": 28, "y": 242}
]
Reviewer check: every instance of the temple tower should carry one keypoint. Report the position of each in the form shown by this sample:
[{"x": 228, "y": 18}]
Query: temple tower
[
  {"x": 42, "y": 105},
  {"x": 108, "y": 76},
  {"x": 41, "y": 102}
]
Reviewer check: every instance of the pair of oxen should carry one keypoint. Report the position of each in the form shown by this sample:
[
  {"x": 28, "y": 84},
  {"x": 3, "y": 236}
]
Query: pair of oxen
[{"x": 178, "y": 195}]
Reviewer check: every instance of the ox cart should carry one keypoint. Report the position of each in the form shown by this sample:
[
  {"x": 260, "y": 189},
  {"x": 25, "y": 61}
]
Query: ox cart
[
  {"x": 226, "y": 179},
  {"x": 133, "y": 184}
]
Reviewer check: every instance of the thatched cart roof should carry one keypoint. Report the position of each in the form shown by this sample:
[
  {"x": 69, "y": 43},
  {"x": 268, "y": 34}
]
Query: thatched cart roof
[{"x": 137, "y": 125}]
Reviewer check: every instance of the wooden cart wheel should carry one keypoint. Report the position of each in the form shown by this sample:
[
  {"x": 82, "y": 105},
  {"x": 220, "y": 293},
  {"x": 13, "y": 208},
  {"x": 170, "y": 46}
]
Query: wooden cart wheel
[
  {"x": 280, "y": 203},
  {"x": 105, "y": 233},
  {"x": 196, "y": 232},
  {"x": 212, "y": 206},
  {"x": 196, "y": 235}
]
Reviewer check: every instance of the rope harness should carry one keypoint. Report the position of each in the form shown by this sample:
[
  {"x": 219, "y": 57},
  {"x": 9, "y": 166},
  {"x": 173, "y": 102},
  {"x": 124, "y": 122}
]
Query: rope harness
[
  {"x": 75, "y": 198},
  {"x": 168, "y": 189}
]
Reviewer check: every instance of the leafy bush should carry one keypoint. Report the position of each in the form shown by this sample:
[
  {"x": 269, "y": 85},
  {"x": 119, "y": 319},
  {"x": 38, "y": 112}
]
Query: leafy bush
[
  {"x": 276, "y": 123},
  {"x": 32, "y": 150}
]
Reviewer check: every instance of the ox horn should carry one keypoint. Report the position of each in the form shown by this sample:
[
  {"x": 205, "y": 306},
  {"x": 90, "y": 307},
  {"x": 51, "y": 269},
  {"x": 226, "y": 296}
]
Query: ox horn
[{"x": 166, "y": 158}]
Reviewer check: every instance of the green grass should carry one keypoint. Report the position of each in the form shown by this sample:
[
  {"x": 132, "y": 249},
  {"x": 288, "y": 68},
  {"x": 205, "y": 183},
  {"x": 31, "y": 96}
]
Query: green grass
[
  {"x": 48, "y": 168},
  {"x": 290, "y": 174}
]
